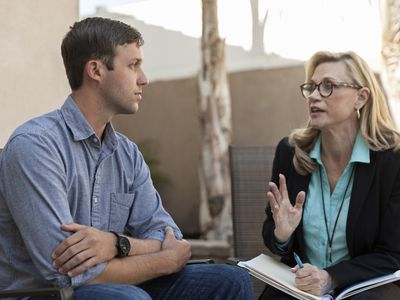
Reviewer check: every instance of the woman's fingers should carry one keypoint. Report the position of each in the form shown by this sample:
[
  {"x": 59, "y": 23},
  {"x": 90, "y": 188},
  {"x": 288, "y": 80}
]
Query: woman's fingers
[
  {"x": 301, "y": 196},
  {"x": 283, "y": 187},
  {"x": 281, "y": 192},
  {"x": 278, "y": 197},
  {"x": 272, "y": 202},
  {"x": 275, "y": 191},
  {"x": 313, "y": 280}
]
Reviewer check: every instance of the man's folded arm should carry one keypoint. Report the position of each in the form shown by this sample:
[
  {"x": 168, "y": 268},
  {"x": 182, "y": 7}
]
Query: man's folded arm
[
  {"x": 36, "y": 196},
  {"x": 89, "y": 246},
  {"x": 136, "y": 269}
]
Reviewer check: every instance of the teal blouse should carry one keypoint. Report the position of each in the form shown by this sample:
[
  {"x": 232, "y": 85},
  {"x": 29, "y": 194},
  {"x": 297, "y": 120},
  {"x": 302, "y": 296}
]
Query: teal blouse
[{"x": 314, "y": 225}]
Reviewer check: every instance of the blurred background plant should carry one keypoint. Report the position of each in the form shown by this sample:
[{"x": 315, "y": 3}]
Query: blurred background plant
[{"x": 149, "y": 149}]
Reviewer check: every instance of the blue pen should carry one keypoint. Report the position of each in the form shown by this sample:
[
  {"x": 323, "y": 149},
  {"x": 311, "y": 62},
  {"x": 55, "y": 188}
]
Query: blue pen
[{"x": 298, "y": 260}]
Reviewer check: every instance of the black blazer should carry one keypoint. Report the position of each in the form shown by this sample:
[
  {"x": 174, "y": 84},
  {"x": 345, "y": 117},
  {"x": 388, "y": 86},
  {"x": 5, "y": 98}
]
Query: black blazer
[{"x": 373, "y": 221}]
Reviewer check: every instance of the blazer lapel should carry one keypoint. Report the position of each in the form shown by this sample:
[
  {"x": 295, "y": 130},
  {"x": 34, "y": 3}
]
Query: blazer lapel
[
  {"x": 301, "y": 184},
  {"x": 363, "y": 177}
]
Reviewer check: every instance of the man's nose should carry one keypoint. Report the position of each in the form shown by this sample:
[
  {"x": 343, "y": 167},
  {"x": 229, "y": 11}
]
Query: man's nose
[{"x": 142, "y": 79}]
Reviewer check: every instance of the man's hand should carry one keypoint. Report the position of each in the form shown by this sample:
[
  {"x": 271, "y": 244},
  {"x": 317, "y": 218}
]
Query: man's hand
[
  {"x": 313, "y": 280},
  {"x": 180, "y": 251},
  {"x": 84, "y": 249}
]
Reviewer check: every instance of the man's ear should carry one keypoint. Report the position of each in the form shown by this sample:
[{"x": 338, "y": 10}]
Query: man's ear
[
  {"x": 362, "y": 97},
  {"x": 93, "y": 70}
]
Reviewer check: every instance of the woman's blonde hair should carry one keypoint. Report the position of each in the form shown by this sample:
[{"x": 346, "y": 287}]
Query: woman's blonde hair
[{"x": 376, "y": 124}]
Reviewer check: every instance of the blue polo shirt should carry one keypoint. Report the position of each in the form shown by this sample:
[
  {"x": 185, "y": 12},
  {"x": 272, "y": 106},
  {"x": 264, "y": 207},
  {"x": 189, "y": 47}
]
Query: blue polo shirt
[{"x": 315, "y": 235}]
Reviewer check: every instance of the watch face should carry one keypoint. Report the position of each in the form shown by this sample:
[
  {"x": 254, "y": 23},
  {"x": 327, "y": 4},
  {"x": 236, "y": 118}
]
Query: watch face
[{"x": 124, "y": 246}]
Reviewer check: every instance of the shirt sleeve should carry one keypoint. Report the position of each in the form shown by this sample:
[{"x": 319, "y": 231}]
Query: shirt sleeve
[
  {"x": 148, "y": 217},
  {"x": 283, "y": 246},
  {"x": 36, "y": 194}
]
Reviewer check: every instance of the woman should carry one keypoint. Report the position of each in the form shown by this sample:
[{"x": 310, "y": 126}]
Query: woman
[{"x": 334, "y": 198}]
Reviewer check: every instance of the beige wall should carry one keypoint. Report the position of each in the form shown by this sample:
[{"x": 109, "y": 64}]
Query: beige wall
[
  {"x": 32, "y": 77},
  {"x": 266, "y": 105}
]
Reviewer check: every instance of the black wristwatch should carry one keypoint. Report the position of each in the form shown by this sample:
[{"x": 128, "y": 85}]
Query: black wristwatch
[{"x": 123, "y": 245}]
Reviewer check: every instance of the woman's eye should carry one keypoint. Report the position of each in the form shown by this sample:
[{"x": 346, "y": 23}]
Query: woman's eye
[
  {"x": 327, "y": 85},
  {"x": 309, "y": 87}
]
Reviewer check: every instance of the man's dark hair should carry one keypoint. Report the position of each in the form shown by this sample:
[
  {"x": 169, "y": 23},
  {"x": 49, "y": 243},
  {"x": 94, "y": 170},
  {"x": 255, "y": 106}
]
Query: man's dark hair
[{"x": 94, "y": 38}]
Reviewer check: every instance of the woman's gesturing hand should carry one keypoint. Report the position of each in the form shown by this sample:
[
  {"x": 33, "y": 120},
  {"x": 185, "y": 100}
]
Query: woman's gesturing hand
[{"x": 286, "y": 216}]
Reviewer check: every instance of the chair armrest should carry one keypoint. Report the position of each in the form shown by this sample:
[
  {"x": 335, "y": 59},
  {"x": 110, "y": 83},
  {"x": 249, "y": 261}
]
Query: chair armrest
[
  {"x": 233, "y": 260},
  {"x": 67, "y": 293},
  {"x": 60, "y": 293},
  {"x": 200, "y": 261}
]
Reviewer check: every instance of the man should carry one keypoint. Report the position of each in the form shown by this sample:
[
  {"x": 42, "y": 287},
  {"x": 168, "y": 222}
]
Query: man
[{"x": 70, "y": 185}]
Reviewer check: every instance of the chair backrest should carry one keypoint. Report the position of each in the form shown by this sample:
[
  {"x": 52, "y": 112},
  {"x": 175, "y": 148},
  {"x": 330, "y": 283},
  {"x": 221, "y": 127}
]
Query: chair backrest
[{"x": 251, "y": 168}]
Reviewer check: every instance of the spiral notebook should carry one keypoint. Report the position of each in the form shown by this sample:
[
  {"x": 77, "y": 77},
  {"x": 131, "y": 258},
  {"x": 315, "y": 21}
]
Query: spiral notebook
[{"x": 279, "y": 276}]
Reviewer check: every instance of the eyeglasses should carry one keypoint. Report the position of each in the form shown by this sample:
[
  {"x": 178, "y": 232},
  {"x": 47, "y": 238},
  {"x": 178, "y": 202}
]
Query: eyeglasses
[{"x": 325, "y": 87}]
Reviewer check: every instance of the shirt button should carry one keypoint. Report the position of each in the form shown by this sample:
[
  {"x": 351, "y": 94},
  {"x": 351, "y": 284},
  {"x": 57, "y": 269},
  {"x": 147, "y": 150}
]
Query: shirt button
[{"x": 95, "y": 199}]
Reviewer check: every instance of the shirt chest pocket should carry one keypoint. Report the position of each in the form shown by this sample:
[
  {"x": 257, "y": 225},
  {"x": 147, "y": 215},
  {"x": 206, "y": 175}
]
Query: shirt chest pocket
[{"x": 120, "y": 209}]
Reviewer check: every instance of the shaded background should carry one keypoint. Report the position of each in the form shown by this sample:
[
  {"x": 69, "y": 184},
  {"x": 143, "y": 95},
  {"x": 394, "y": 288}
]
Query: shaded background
[{"x": 264, "y": 86}]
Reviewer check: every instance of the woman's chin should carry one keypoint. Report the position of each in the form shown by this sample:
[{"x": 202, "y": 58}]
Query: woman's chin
[{"x": 316, "y": 125}]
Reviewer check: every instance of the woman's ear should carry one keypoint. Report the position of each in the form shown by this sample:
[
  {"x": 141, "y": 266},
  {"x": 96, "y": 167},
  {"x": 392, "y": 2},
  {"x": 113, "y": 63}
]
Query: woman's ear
[{"x": 362, "y": 97}]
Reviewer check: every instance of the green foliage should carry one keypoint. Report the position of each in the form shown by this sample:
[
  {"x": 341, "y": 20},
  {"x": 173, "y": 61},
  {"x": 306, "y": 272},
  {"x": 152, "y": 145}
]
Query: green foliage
[{"x": 149, "y": 149}]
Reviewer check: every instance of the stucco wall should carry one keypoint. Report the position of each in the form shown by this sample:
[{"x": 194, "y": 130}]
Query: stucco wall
[
  {"x": 32, "y": 77},
  {"x": 266, "y": 105}
]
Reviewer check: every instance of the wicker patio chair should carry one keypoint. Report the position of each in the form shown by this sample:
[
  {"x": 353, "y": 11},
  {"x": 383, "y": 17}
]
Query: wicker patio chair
[{"x": 251, "y": 168}]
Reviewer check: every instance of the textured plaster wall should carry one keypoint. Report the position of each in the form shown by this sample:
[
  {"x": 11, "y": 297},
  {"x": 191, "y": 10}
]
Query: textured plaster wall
[
  {"x": 32, "y": 77},
  {"x": 266, "y": 105}
]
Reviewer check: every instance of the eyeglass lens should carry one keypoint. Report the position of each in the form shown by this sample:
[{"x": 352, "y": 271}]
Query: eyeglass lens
[{"x": 324, "y": 88}]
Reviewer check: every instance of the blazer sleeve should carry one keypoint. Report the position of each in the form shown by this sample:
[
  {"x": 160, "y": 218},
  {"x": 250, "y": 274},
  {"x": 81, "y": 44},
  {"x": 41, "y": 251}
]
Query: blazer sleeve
[{"x": 283, "y": 155}]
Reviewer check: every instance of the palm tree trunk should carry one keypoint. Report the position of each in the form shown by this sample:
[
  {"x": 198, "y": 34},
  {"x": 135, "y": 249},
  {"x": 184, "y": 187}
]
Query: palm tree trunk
[
  {"x": 258, "y": 27},
  {"x": 391, "y": 55},
  {"x": 215, "y": 120}
]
